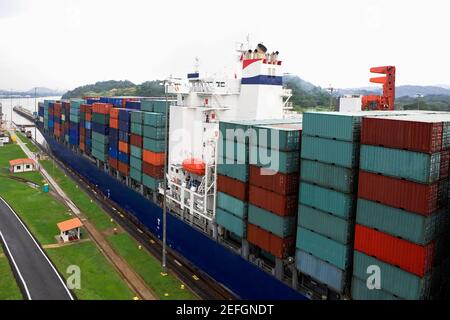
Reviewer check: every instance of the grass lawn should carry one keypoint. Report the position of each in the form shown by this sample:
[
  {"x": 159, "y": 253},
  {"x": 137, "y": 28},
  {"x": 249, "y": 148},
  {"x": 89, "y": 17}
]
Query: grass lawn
[
  {"x": 99, "y": 280},
  {"x": 149, "y": 269},
  {"x": 27, "y": 141},
  {"x": 92, "y": 211},
  {"x": 8, "y": 286}
]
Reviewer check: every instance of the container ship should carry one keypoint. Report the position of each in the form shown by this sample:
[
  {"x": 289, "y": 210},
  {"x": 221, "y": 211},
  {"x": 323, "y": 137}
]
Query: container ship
[{"x": 270, "y": 203}]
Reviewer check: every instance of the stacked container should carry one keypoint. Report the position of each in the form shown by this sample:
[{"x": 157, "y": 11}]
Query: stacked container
[
  {"x": 124, "y": 141},
  {"x": 273, "y": 189},
  {"x": 113, "y": 151},
  {"x": 51, "y": 117},
  {"x": 100, "y": 130},
  {"x": 402, "y": 216},
  {"x": 57, "y": 129},
  {"x": 65, "y": 120},
  {"x": 74, "y": 127},
  {"x": 136, "y": 141},
  {"x": 327, "y": 199}
]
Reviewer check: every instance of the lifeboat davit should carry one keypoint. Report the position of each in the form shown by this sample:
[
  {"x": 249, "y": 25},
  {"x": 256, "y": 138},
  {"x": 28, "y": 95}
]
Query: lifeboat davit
[{"x": 193, "y": 165}]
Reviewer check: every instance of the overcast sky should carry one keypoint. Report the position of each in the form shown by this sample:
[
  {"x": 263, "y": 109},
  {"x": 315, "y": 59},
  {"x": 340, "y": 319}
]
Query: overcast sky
[{"x": 66, "y": 43}]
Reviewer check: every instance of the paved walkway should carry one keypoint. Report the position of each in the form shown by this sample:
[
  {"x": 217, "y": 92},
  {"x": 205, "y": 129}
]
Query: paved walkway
[
  {"x": 133, "y": 279},
  {"x": 38, "y": 277}
]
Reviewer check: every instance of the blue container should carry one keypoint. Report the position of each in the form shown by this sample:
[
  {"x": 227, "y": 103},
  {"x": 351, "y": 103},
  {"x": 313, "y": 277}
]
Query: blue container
[
  {"x": 134, "y": 105},
  {"x": 113, "y": 153},
  {"x": 87, "y": 125},
  {"x": 124, "y": 126},
  {"x": 124, "y": 115},
  {"x": 124, "y": 136},
  {"x": 123, "y": 157},
  {"x": 113, "y": 132},
  {"x": 92, "y": 101},
  {"x": 100, "y": 128}
]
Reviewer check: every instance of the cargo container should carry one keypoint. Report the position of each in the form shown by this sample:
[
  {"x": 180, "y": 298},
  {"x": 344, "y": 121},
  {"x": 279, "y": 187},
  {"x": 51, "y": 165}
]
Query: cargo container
[
  {"x": 233, "y": 205},
  {"x": 280, "y": 226},
  {"x": 281, "y": 161},
  {"x": 330, "y": 176},
  {"x": 326, "y": 273},
  {"x": 154, "y": 119},
  {"x": 408, "y": 165},
  {"x": 284, "y": 137},
  {"x": 230, "y": 222},
  {"x": 327, "y": 200},
  {"x": 402, "y": 224},
  {"x": 361, "y": 292},
  {"x": 136, "y": 175},
  {"x": 276, "y": 203},
  {"x": 402, "y": 194},
  {"x": 150, "y": 182},
  {"x": 280, "y": 248},
  {"x": 326, "y": 249},
  {"x": 154, "y": 158},
  {"x": 406, "y": 255},
  {"x": 232, "y": 187},
  {"x": 156, "y": 172},
  {"x": 326, "y": 224},
  {"x": 157, "y": 146},
  {"x": 236, "y": 171},
  {"x": 284, "y": 184}
]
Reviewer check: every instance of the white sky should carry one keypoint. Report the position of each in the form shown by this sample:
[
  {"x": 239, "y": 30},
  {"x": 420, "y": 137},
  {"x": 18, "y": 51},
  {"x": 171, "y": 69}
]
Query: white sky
[{"x": 66, "y": 43}]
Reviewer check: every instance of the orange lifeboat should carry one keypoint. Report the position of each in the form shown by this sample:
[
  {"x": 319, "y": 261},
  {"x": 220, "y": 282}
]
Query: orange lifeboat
[{"x": 193, "y": 165}]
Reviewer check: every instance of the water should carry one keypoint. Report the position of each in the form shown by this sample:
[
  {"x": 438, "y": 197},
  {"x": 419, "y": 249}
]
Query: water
[{"x": 27, "y": 103}]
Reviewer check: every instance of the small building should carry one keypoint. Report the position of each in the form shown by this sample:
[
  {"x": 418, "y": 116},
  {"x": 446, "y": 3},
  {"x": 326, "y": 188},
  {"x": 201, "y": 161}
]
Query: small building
[
  {"x": 22, "y": 165},
  {"x": 70, "y": 230},
  {"x": 4, "y": 139}
]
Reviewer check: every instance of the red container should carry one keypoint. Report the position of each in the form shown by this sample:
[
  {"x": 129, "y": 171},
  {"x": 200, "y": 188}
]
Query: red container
[
  {"x": 280, "y": 248},
  {"x": 279, "y": 204},
  {"x": 156, "y": 172},
  {"x": 445, "y": 163},
  {"x": 406, "y": 255},
  {"x": 136, "y": 140},
  {"x": 410, "y": 196},
  {"x": 101, "y": 108},
  {"x": 114, "y": 123},
  {"x": 113, "y": 163},
  {"x": 82, "y": 146},
  {"x": 285, "y": 184},
  {"x": 410, "y": 133},
  {"x": 123, "y": 168},
  {"x": 233, "y": 187},
  {"x": 154, "y": 158},
  {"x": 124, "y": 147},
  {"x": 82, "y": 132},
  {"x": 114, "y": 113},
  {"x": 88, "y": 116}
]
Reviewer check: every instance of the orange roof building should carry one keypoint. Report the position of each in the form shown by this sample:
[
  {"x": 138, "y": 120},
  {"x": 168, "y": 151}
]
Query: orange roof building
[
  {"x": 22, "y": 165},
  {"x": 70, "y": 230}
]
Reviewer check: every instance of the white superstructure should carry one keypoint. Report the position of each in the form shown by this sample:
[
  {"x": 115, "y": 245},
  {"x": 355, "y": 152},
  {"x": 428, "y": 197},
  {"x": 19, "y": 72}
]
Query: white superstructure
[{"x": 254, "y": 92}]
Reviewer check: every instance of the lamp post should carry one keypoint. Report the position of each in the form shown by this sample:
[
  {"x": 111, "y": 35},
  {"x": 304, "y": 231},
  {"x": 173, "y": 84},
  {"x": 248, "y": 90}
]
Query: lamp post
[{"x": 35, "y": 114}]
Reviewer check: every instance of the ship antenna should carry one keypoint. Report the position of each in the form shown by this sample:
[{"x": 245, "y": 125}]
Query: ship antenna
[{"x": 197, "y": 64}]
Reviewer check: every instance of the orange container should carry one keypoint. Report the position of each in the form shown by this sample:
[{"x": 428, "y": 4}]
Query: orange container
[
  {"x": 82, "y": 146},
  {"x": 154, "y": 158},
  {"x": 124, "y": 147},
  {"x": 124, "y": 168},
  {"x": 280, "y": 248},
  {"x": 114, "y": 123},
  {"x": 114, "y": 113},
  {"x": 101, "y": 108},
  {"x": 113, "y": 163},
  {"x": 88, "y": 116},
  {"x": 279, "y": 204},
  {"x": 406, "y": 255},
  {"x": 232, "y": 187}
]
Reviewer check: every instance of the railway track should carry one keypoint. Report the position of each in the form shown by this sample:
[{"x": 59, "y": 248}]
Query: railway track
[{"x": 199, "y": 282}]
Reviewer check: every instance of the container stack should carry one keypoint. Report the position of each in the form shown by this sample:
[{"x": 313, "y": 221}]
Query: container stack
[
  {"x": 74, "y": 129},
  {"x": 40, "y": 112},
  {"x": 85, "y": 133},
  {"x": 113, "y": 141},
  {"x": 137, "y": 143},
  {"x": 403, "y": 214},
  {"x": 327, "y": 200},
  {"x": 100, "y": 130},
  {"x": 51, "y": 116},
  {"x": 65, "y": 120},
  {"x": 154, "y": 133},
  {"x": 124, "y": 142},
  {"x": 46, "y": 114},
  {"x": 273, "y": 188},
  {"x": 57, "y": 130}
]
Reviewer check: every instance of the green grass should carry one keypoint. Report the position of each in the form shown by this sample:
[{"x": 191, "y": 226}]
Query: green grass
[
  {"x": 149, "y": 269},
  {"x": 99, "y": 280},
  {"x": 8, "y": 286},
  {"x": 91, "y": 209},
  {"x": 27, "y": 142}
]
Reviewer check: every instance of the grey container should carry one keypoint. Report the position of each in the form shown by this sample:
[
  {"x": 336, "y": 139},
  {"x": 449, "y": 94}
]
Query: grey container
[
  {"x": 154, "y": 145},
  {"x": 360, "y": 291},
  {"x": 136, "y": 175},
  {"x": 331, "y": 176},
  {"x": 341, "y": 153},
  {"x": 282, "y": 227},
  {"x": 327, "y": 200},
  {"x": 137, "y": 117},
  {"x": 321, "y": 271},
  {"x": 236, "y": 171},
  {"x": 154, "y": 132},
  {"x": 231, "y": 222},
  {"x": 400, "y": 223},
  {"x": 154, "y": 119},
  {"x": 280, "y": 161},
  {"x": 393, "y": 280},
  {"x": 326, "y": 224},
  {"x": 233, "y": 205},
  {"x": 408, "y": 165},
  {"x": 136, "y": 163}
]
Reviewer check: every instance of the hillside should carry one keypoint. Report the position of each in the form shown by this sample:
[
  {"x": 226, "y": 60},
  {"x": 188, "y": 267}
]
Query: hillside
[
  {"x": 40, "y": 92},
  {"x": 430, "y": 102},
  {"x": 401, "y": 91}
]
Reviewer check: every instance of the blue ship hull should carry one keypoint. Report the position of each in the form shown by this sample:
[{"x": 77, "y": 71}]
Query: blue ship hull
[{"x": 240, "y": 276}]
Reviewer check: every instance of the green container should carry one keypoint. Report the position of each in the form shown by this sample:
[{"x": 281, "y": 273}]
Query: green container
[
  {"x": 234, "y": 150},
  {"x": 100, "y": 118},
  {"x": 76, "y": 103},
  {"x": 334, "y": 202},
  {"x": 137, "y": 117},
  {"x": 66, "y": 138},
  {"x": 327, "y": 175},
  {"x": 361, "y": 292},
  {"x": 400, "y": 223},
  {"x": 446, "y": 136},
  {"x": 154, "y": 119},
  {"x": 147, "y": 105},
  {"x": 285, "y": 137},
  {"x": 393, "y": 280},
  {"x": 333, "y": 125},
  {"x": 154, "y": 145},
  {"x": 325, "y": 224},
  {"x": 231, "y": 222},
  {"x": 341, "y": 153},
  {"x": 409, "y": 165},
  {"x": 99, "y": 147},
  {"x": 280, "y": 161},
  {"x": 98, "y": 137},
  {"x": 99, "y": 155},
  {"x": 236, "y": 171},
  {"x": 160, "y": 106},
  {"x": 154, "y": 133},
  {"x": 136, "y": 175},
  {"x": 150, "y": 182},
  {"x": 136, "y": 152},
  {"x": 328, "y": 250},
  {"x": 232, "y": 205},
  {"x": 74, "y": 118},
  {"x": 136, "y": 163},
  {"x": 280, "y": 226},
  {"x": 136, "y": 129}
]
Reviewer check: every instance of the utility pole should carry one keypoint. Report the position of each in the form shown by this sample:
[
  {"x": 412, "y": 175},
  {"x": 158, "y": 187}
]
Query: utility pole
[
  {"x": 164, "y": 247},
  {"x": 35, "y": 114},
  {"x": 330, "y": 89},
  {"x": 418, "y": 100}
]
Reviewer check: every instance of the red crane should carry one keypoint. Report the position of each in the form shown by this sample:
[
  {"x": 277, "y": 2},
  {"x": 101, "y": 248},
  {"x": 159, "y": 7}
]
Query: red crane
[{"x": 387, "y": 100}]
